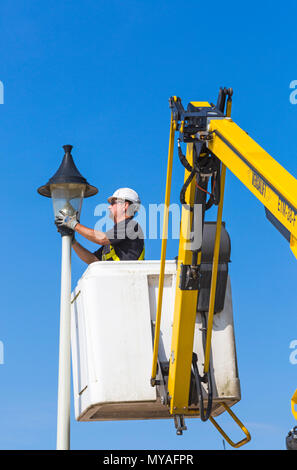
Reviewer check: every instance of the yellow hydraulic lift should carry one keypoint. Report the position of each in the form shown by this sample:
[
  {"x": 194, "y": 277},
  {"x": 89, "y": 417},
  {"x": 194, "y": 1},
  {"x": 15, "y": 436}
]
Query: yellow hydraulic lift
[
  {"x": 293, "y": 403},
  {"x": 214, "y": 142}
]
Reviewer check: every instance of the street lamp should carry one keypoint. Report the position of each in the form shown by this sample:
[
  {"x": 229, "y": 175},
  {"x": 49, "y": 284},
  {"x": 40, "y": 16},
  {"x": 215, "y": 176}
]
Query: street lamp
[{"x": 67, "y": 188}]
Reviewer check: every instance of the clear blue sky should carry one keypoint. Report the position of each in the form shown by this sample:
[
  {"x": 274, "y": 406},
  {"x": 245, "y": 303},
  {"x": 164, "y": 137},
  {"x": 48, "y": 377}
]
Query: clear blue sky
[{"x": 98, "y": 74}]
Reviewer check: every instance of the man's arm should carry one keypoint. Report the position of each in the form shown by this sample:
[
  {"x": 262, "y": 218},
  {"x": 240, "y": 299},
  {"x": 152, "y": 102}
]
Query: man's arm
[
  {"x": 95, "y": 236},
  {"x": 84, "y": 254}
]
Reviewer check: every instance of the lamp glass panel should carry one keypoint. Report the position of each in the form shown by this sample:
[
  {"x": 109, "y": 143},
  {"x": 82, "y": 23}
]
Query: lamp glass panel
[{"x": 67, "y": 197}]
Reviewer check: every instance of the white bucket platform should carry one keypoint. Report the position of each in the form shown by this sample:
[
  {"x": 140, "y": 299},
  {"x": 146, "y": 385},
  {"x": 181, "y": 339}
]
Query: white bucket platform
[{"x": 112, "y": 322}]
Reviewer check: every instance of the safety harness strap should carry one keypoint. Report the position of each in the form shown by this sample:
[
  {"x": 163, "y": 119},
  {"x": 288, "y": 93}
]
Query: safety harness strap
[{"x": 112, "y": 255}]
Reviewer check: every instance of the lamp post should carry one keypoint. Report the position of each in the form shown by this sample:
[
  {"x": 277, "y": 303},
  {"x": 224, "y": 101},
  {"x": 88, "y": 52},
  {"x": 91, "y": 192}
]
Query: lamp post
[{"x": 67, "y": 188}]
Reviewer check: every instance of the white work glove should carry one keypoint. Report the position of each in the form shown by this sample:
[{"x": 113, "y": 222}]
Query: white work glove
[{"x": 64, "y": 220}]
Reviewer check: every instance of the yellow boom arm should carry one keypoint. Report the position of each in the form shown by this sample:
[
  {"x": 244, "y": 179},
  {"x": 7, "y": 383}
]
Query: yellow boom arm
[
  {"x": 258, "y": 171},
  {"x": 205, "y": 124}
]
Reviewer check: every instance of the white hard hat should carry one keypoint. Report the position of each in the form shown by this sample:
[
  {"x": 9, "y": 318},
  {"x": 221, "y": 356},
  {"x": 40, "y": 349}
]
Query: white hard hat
[{"x": 127, "y": 194}]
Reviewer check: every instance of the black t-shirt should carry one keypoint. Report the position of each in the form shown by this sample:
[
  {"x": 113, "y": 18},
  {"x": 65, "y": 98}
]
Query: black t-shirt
[{"x": 127, "y": 239}]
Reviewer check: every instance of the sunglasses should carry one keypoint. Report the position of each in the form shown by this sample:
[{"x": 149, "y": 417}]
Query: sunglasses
[{"x": 116, "y": 201}]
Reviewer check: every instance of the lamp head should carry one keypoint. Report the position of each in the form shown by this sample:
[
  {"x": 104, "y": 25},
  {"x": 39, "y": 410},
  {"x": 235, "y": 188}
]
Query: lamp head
[{"x": 67, "y": 187}]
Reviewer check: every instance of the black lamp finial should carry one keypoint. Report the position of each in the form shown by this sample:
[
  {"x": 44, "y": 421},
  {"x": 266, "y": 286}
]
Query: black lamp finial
[{"x": 67, "y": 148}]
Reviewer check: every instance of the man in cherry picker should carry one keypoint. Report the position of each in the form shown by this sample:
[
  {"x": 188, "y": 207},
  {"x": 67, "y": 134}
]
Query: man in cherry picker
[{"x": 125, "y": 241}]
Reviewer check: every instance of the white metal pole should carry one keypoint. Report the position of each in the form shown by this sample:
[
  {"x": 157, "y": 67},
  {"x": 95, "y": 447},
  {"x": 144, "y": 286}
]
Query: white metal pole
[{"x": 63, "y": 419}]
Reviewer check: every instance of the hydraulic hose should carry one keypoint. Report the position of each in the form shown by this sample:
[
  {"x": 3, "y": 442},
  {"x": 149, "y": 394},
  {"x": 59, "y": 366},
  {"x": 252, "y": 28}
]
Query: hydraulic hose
[{"x": 184, "y": 189}]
